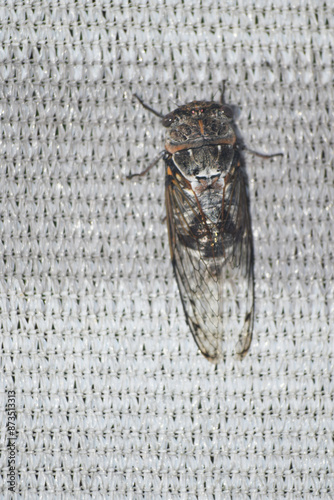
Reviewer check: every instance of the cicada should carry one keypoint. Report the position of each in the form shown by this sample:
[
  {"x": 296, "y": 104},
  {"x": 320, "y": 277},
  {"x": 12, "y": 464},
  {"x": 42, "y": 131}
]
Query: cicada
[{"x": 209, "y": 223}]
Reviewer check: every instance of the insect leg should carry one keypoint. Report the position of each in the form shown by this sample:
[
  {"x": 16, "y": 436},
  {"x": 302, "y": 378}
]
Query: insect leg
[
  {"x": 146, "y": 106},
  {"x": 151, "y": 165},
  {"x": 222, "y": 92},
  {"x": 261, "y": 155}
]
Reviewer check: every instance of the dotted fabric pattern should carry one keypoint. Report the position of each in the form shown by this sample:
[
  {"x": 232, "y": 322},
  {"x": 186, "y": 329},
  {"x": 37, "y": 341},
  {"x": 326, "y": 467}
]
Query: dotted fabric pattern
[{"x": 113, "y": 398}]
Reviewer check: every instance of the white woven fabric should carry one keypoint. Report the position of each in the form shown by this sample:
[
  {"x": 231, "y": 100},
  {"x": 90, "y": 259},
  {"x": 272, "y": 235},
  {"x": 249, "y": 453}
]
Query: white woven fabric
[{"x": 113, "y": 399}]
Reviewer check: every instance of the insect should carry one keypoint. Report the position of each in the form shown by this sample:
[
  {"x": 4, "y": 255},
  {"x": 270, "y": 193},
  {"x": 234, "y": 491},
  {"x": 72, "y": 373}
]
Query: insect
[{"x": 209, "y": 225}]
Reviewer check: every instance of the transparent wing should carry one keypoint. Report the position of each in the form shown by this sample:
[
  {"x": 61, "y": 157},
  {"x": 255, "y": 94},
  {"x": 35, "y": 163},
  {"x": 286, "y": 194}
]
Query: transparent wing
[{"x": 213, "y": 264}]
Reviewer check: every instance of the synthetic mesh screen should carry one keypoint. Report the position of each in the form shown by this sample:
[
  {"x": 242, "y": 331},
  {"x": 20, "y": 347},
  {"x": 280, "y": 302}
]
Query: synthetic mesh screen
[{"x": 112, "y": 397}]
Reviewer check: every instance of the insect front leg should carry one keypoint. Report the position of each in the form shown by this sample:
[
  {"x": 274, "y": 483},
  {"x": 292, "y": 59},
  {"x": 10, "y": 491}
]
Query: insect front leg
[
  {"x": 162, "y": 154},
  {"x": 261, "y": 155},
  {"x": 146, "y": 106},
  {"x": 222, "y": 92}
]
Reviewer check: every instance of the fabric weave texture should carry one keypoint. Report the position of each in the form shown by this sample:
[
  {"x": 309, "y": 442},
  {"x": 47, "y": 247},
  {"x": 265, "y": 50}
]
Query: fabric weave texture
[{"x": 113, "y": 399}]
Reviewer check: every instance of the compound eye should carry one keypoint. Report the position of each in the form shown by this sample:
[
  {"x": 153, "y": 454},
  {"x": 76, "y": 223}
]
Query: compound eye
[
  {"x": 228, "y": 112},
  {"x": 168, "y": 120}
]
